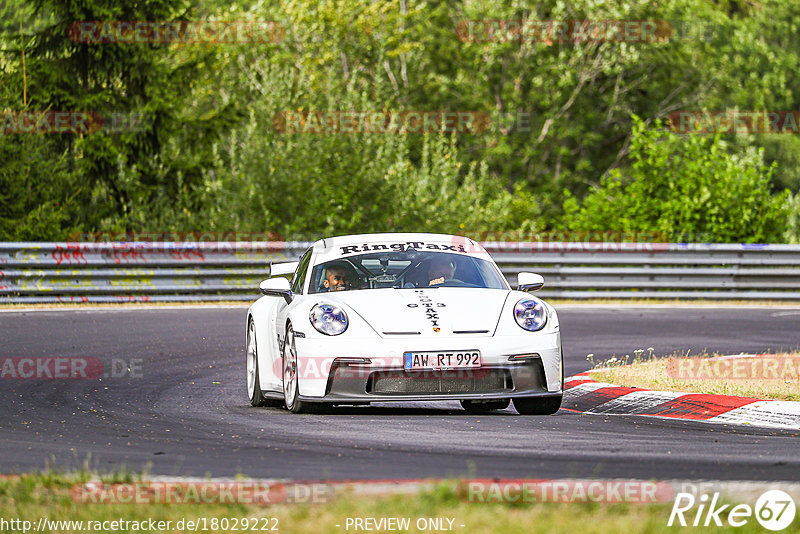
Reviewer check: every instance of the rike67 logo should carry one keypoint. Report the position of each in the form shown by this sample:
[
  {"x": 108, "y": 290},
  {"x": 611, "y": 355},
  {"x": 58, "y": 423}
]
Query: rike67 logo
[{"x": 774, "y": 510}]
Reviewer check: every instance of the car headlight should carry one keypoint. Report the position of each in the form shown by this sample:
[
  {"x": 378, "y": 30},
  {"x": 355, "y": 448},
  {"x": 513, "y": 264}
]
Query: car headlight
[
  {"x": 530, "y": 314},
  {"x": 328, "y": 319}
]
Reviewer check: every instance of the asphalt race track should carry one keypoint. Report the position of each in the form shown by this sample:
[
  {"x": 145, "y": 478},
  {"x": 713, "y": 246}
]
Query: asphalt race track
[{"x": 185, "y": 413}]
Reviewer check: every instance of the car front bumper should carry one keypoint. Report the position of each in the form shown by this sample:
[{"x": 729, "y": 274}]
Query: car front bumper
[{"x": 340, "y": 370}]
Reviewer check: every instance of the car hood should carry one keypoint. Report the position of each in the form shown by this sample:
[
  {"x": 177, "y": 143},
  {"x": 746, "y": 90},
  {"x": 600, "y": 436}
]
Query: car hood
[{"x": 456, "y": 311}]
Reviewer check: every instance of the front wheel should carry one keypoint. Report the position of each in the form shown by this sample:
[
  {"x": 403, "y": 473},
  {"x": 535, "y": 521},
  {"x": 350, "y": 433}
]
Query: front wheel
[
  {"x": 291, "y": 387},
  {"x": 538, "y": 405},
  {"x": 483, "y": 407}
]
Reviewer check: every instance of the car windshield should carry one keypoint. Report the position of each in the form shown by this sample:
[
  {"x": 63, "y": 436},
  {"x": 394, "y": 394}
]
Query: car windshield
[{"x": 405, "y": 270}]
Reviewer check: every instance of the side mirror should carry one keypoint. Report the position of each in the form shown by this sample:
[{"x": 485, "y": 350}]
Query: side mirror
[
  {"x": 281, "y": 269},
  {"x": 529, "y": 281},
  {"x": 277, "y": 287}
]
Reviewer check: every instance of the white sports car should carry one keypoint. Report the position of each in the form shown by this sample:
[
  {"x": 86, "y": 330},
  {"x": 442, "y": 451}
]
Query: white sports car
[{"x": 402, "y": 317}]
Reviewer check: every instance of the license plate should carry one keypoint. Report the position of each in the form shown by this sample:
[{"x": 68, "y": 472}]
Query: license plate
[{"x": 465, "y": 359}]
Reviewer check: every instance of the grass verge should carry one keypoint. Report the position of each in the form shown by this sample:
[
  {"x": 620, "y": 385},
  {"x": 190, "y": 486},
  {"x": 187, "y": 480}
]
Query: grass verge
[
  {"x": 30, "y": 497},
  {"x": 765, "y": 376}
]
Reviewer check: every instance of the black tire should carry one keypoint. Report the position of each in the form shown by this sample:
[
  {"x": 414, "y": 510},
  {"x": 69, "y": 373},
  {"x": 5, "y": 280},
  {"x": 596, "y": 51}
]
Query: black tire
[
  {"x": 482, "y": 407},
  {"x": 538, "y": 405},
  {"x": 251, "y": 354},
  {"x": 292, "y": 392}
]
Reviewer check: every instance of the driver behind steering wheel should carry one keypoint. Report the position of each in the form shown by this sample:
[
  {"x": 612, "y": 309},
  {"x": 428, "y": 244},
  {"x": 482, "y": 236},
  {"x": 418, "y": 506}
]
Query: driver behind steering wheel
[
  {"x": 440, "y": 269},
  {"x": 339, "y": 276}
]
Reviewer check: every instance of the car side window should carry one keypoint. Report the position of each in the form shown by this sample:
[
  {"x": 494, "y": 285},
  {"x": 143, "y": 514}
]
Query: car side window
[{"x": 299, "y": 278}]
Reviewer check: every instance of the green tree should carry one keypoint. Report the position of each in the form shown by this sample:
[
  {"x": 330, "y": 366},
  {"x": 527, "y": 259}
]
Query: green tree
[
  {"x": 686, "y": 188},
  {"x": 208, "y": 156},
  {"x": 119, "y": 177}
]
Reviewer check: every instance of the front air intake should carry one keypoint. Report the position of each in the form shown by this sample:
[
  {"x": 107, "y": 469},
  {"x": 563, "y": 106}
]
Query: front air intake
[{"x": 439, "y": 382}]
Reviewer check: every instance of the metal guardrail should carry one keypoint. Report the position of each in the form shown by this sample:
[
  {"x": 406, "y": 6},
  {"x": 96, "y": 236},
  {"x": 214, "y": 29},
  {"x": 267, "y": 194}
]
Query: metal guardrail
[
  {"x": 137, "y": 271},
  {"x": 213, "y": 271}
]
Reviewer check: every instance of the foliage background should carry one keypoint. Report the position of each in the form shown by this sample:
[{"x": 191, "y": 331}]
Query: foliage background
[{"x": 595, "y": 155}]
